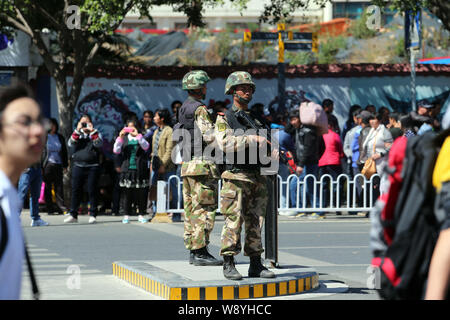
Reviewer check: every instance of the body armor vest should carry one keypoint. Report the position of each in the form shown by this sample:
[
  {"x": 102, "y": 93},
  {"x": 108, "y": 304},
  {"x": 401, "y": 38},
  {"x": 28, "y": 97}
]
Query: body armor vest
[
  {"x": 240, "y": 127},
  {"x": 186, "y": 119}
]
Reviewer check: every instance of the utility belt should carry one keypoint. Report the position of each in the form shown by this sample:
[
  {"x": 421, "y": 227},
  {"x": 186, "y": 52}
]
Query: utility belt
[{"x": 233, "y": 168}]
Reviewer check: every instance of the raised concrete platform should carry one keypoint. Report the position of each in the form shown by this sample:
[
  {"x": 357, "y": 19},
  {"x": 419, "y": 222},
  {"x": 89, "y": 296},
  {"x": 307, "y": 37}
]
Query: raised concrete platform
[{"x": 178, "y": 280}]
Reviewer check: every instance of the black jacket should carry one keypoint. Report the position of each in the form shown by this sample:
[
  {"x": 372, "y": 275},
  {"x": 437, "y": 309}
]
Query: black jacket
[
  {"x": 309, "y": 145},
  {"x": 62, "y": 153},
  {"x": 85, "y": 151}
]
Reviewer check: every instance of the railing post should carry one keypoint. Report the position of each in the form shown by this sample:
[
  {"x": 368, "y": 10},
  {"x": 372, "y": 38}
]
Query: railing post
[
  {"x": 271, "y": 222},
  {"x": 161, "y": 203}
]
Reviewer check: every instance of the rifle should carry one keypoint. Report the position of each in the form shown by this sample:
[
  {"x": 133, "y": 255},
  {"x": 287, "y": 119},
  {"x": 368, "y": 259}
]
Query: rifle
[{"x": 285, "y": 157}]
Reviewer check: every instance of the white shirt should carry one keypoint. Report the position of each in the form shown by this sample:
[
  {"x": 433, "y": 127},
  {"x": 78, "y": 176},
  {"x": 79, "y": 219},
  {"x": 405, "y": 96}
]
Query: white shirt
[{"x": 12, "y": 259}]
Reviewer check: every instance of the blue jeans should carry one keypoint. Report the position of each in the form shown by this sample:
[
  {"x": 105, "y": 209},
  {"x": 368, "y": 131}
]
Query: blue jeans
[
  {"x": 31, "y": 180},
  {"x": 307, "y": 169}
]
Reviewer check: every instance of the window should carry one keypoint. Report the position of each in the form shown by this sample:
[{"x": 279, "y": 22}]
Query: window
[{"x": 354, "y": 10}]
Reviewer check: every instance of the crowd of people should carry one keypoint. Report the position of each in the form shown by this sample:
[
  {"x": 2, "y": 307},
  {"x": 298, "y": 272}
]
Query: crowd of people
[
  {"x": 33, "y": 151},
  {"x": 143, "y": 148}
]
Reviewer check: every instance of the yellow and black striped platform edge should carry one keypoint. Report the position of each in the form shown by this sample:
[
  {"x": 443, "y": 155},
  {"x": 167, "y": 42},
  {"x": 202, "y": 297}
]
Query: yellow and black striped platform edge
[{"x": 264, "y": 290}]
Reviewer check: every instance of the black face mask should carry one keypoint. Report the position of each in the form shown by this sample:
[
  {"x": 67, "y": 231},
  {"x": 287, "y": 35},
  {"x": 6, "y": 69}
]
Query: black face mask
[{"x": 242, "y": 100}]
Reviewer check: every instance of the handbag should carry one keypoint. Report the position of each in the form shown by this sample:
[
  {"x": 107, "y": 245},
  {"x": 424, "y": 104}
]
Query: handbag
[{"x": 370, "y": 167}]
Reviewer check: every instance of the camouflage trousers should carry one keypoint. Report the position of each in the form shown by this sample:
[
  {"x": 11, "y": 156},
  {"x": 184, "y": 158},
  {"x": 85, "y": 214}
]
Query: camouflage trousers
[
  {"x": 243, "y": 202},
  {"x": 200, "y": 204}
]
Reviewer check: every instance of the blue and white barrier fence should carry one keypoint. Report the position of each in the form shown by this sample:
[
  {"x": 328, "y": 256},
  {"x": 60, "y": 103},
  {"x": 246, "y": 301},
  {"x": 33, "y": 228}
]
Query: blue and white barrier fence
[{"x": 344, "y": 194}]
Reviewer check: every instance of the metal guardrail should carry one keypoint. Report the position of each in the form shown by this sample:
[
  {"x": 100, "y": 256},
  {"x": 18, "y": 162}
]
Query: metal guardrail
[{"x": 344, "y": 194}]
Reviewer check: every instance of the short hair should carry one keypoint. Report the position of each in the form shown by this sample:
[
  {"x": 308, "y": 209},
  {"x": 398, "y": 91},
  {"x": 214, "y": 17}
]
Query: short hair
[
  {"x": 395, "y": 115},
  {"x": 86, "y": 115},
  {"x": 294, "y": 113},
  {"x": 383, "y": 109},
  {"x": 175, "y": 102},
  {"x": 407, "y": 122},
  {"x": 378, "y": 115},
  {"x": 149, "y": 112},
  {"x": 327, "y": 103},
  {"x": 15, "y": 92}
]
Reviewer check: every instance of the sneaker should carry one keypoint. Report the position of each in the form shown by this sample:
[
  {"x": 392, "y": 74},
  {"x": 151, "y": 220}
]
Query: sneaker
[
  {"x": 92, "y": 220},
  {"x": 287, "y": 213},
  {"x": 141, "y": 219},
  {"x": 39, "y": 223},
  {"x": 301, "y": 215},
  {"x": 125, "y": 220},
  {"x": 317, "y": 216},
  {"x": 70, "y": 219}
]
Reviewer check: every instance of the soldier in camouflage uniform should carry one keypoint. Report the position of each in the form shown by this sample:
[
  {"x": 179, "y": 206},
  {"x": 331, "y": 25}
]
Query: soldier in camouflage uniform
[
  {"x": 244, "y": 194},
  {"x": 199, "y": 173}
]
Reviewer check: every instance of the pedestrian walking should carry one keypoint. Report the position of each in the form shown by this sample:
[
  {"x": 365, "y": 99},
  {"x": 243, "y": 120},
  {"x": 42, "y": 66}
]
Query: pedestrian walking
[
  {"x": 198, "y": 171},
  {"x": 22, "y": 137},
  {"x": 244, "y": 195},
  {"x": 31, "y": 181}
]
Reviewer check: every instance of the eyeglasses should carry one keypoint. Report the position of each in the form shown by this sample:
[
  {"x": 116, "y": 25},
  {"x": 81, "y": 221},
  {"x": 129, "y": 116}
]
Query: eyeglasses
[{"x": 26, "y": 122}]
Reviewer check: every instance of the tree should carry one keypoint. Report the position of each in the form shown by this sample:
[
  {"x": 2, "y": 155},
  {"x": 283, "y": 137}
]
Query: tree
[
  {"x": 281, "y": 10},
  {"x": 439, "y": 8},
  {"x": 81, "y": 28}
]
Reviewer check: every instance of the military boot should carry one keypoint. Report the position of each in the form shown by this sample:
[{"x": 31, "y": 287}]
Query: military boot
[
  {"x": 229, "y": 270},
  {"x": 257, "y": 270},
  {"x": 203, "y": 258}
]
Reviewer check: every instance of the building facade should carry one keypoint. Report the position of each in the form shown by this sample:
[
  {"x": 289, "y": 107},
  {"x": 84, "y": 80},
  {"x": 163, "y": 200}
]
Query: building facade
[{"x": 228, "y": 16}]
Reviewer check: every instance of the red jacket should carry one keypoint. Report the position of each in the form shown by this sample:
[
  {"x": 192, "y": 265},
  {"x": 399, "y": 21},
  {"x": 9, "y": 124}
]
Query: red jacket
[{"x": 333, "y": 149}]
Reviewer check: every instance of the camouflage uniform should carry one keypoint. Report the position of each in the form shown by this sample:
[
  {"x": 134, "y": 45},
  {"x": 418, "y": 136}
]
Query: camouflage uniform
[
  {"x": 199, "y": 177},
  {"x": 243, "y": 197}
]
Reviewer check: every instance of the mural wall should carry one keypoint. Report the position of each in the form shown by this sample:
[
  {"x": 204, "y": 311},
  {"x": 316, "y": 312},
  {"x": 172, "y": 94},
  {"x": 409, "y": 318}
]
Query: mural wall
[{"x": 107, "y": 100}]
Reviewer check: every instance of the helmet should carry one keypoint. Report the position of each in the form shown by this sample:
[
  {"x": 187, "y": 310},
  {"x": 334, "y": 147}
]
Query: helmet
[
  {"x": 236, "y": 78},
  {"x": 195, "y": 79}
]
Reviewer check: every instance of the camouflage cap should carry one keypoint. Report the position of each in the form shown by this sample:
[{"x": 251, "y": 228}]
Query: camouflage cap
[
  {"x": 195, "y": 79},
  {"x": 236, "y": 78}
]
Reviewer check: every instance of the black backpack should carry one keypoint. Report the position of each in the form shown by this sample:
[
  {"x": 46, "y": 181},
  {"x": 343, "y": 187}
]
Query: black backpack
[{"x": 403, "y": 267}]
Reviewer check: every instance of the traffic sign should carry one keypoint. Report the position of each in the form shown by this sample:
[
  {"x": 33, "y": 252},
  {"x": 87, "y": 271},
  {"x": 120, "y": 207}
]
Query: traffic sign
[
  {"x": 300, "y": 35},
  {"x": 298, "y": 46},
  {"x": 261, "y": 36}
]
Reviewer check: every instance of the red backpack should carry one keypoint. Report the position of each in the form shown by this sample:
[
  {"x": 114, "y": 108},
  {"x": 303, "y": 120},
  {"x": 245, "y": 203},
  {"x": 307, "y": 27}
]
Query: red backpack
[{"x": 405, "y": 242}]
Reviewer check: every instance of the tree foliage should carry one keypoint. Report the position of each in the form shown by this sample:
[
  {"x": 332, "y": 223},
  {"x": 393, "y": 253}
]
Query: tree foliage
[{"x": 440, "y": 8}]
